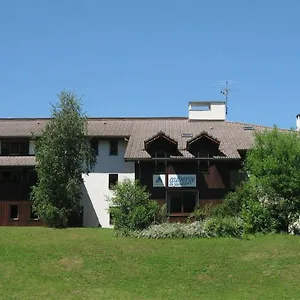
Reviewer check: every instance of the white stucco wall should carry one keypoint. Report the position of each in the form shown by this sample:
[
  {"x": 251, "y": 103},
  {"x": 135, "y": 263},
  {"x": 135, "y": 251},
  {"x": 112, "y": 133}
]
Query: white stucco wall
[
  {"x": 96, "y": 191},
  {"x": 215, "y": 111}
]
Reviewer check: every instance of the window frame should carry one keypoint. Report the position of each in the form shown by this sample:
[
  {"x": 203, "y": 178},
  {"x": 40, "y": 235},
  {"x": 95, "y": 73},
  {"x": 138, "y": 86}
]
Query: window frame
[
  {"x": 95, "y": 146},
  {"x": 113, "y": 147},
  {"x": 181, "y": 193},
  {"x": 22, "y": 147},
  {"x": 10, "y": 212},
  {"x": 111, "y": 181},
  {"x": 31, "y": 216},
  {"x": 160, "y": 166}
]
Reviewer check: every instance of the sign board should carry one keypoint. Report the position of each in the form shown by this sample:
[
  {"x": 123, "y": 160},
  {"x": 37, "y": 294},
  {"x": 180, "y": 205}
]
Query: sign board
[
  {"x": 159, "y": 180},
  {"x": 182, "y": 180}
]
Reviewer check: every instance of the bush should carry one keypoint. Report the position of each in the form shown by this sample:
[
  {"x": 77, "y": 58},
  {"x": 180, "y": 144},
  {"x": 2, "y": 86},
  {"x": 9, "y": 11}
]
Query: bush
[
  {"x": 172, "y": 230},
  {"x": 201, "y": 213},
  {"x": 233, "y": 202},
  {"x": 131, "y": 206},
  {"x": 162, "y": 214},
  {"x": 214, "y": 227},
  {"x": 224, "y": 227}
]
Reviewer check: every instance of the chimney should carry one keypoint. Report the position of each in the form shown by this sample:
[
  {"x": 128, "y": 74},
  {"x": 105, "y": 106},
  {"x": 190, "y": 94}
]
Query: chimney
[
  {"x": 298, "y": 122},
  {"x": 207, "y": 110}
]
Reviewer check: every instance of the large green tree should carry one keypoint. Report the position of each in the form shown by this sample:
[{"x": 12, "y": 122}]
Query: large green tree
[
  {"x": 274, "y": 164},
  {"x": 270, "y": 199},
  {"x": 63, "y": 154}
]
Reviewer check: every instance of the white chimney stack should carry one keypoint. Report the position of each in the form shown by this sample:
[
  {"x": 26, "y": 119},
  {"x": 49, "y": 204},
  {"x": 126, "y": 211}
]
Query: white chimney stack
[
  {"x": 207, "y": 110},
  {"x": 298, "y": 122}
]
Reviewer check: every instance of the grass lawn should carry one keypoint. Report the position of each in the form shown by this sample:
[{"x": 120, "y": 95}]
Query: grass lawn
[{"x": 42, "y": 263}]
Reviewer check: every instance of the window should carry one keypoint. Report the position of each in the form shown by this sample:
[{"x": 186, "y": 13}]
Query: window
[
  {"x": 112, "y": 180},
  {"x": 160, "y": 164},
  {"x": 14, "y": 176},
  {"x": 33, "y": 215},
  {"x": 236, "y": 177},
  {"x": 15, "y": 148},
  {"x": 113, "y": 150},
  {"x": 182, "y": 202},
  {"x": 111, "y": 219},
  {"x": 203, "y": 166},
  {"x": 95, "y": 146},
  {"x": 14, "y": 212}
]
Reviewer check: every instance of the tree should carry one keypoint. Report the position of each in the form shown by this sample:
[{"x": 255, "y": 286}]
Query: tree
[
  {"x": 63, "y": 153},
  {"x": 131, "y": 207},
  {"x": 274, "y": 163}
]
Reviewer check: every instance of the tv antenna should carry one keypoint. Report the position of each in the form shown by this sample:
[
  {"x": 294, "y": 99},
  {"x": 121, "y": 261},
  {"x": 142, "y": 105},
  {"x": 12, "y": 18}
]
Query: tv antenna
[{"x": 225, "y": 91}]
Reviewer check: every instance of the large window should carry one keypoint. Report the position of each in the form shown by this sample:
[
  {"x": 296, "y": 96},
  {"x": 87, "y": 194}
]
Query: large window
[
  {"x": 182, "y": 202},
  {"x": 15, "y": 148}
]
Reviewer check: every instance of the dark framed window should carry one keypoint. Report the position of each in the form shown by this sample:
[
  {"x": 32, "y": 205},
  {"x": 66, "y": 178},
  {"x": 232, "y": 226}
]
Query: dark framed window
[
  {"x": 10, "y": 176},
  {"x": 95, "y": 146},
  {"x": 236, "y": 177},
  {"x": 182, "y": 202},
  {"x": 111, "y": 219},
  {"x": 113, "y": 147},
  {"x": 112, "y": 180},
  {"x": 203, "y": 166},
  {"x": 14, "y": 212},
  {"x": 15, "y": 148},
  {"x": 33, "y": 214},
  {"x": 160, "y": 164}
]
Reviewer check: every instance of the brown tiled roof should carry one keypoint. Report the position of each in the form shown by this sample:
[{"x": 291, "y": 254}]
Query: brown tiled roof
[
  {"x": 9, "y": 161},
  {"x": 232, "y": 135}
]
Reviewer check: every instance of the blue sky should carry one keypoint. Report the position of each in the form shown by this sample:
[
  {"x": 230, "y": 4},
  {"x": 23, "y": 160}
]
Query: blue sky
[{"x": 149, "y": 58}]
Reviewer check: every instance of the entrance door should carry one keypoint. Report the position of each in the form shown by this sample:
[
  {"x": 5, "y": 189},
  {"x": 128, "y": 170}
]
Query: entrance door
[{"x": 182, "y": 202}]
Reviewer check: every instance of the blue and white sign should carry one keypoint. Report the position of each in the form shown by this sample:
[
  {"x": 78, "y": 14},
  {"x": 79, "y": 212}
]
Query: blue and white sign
[
  {"x": 176, "y": 180},
  {"x": 159, "y": 180}
]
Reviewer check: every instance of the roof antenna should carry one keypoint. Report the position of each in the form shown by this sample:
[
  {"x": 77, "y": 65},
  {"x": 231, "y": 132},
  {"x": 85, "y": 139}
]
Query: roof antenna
[{"x": 226, "y": 91}]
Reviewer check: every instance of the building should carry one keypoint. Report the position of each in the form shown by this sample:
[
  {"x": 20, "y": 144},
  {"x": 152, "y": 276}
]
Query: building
[{"x": 182, "y": 161}]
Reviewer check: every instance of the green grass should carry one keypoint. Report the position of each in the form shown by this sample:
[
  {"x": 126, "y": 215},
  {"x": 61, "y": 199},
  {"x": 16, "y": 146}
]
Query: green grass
[{"x": 42, "y": 263}]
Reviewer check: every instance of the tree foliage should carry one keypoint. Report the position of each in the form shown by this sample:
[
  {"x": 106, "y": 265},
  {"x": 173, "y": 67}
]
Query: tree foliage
[
  {"x": 131, "y": 207},
  {"x": 63, "y": 154},
  {"x": 270, "y": 199}
]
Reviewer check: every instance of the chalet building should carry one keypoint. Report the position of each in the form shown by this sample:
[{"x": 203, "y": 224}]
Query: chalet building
[{"x": 182, "y": 161}]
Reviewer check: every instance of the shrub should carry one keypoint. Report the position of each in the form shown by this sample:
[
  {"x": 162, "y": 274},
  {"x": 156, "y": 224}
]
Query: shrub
[
  {"x": 172, "y": 230},
  {"x": 131, "y": 206},
  {"x": 294, "y": 227},
  {"x": 200, "y": 213},
  {"x": 233, "y": 202},
  {"x": 162, "y": 214},
  {"x": 258, "y": 218},
  {"x": 224, "y": 227},
  {"x": 214, "y": 227}
]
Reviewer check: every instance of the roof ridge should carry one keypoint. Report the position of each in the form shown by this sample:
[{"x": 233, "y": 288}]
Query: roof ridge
[
  {"x": 97, "y": 118},
  {"x": 248, "y": 124}
]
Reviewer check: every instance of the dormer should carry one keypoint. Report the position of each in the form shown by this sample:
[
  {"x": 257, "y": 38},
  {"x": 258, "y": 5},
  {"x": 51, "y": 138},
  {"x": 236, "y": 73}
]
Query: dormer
[
  {"x": 207, "y": 110},
  {"x": 203, "y": 145},
  {"x": 161, "y": 143}
]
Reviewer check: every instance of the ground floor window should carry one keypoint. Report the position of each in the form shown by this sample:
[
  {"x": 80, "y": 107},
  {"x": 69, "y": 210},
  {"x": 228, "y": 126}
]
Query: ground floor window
[
  {"x": 33, "y": 214},
  {"x": 112, "y": 180},
  {"x": 14, "y": 212},
  {"x": 182, "y": 201}
]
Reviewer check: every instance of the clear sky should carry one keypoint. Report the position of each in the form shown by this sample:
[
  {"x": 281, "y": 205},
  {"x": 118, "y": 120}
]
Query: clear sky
[{"x": 149, "y": 58}]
